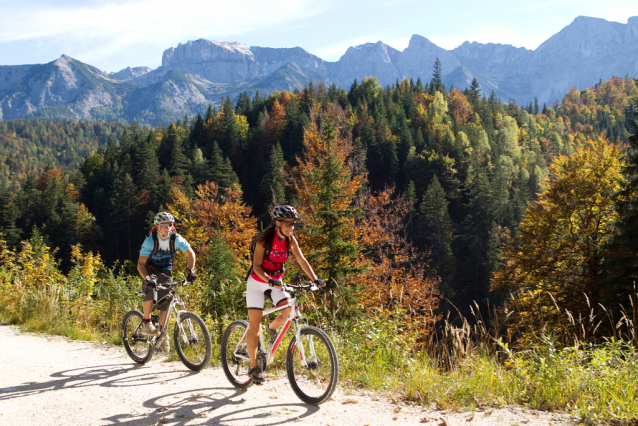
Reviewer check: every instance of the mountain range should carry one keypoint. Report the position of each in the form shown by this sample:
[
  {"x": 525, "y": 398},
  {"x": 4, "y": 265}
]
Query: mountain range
[{"x": 197, "y": 73}]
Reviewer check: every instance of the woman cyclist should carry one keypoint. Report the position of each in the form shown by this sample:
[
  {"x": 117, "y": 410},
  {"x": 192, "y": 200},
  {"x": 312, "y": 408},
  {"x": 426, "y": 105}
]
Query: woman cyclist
[{"x": 274, "y": 245}]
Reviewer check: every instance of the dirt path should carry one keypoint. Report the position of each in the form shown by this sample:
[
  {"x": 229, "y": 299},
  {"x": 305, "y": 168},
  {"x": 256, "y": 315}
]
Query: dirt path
[{"x": 50, "y": 380}]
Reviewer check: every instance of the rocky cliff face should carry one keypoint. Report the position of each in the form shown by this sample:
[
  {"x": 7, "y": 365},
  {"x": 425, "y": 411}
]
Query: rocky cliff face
[
  {"x": 234, "y": 62},
  {"x": 199, "y": 72}
]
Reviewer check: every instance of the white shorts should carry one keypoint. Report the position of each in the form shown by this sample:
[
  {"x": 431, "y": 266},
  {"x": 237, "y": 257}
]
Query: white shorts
[{"x": 255, "y": 292}]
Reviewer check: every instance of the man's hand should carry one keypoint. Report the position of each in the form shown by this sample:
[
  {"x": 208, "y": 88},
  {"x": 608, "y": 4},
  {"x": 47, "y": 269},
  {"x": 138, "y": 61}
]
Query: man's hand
[
  {"x": 150, "y": 283},
  {"x": 275, "y": 283},
  {"x": 190, "y": 275},
  {"x": 319, "y": 283}
]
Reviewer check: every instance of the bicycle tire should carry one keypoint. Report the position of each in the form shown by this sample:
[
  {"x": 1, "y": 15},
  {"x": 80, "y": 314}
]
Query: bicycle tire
[
  {"x": 194, "y": 351},
  {"x": 138, "y": 347},
  {"x": 315, "y": 383},
  {"x": 235, "y": 369}
]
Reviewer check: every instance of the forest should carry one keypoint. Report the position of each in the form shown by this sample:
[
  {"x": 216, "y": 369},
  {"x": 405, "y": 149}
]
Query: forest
[{"x": 457, "y": 168}]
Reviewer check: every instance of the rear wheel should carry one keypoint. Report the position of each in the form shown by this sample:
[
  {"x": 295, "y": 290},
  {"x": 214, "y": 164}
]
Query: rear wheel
[
  {"x": 192, "y": 341},
  {"x": 315, "y": 381},
  {"x": 234, "y": 354},
  {"x": 138, "y": 347}
]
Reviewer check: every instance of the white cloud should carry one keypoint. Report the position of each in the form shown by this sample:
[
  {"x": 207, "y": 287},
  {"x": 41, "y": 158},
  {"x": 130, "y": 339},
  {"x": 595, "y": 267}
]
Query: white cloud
[{"x": 99, "y": 30}]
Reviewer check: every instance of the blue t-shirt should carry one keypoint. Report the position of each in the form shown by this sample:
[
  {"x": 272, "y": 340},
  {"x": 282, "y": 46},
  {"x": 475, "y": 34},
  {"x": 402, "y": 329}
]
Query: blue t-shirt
[{"x": 163, "y": 258}]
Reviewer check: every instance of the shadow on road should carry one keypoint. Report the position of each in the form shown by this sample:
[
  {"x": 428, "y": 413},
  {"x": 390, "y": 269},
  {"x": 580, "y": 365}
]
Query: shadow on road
[
  {"x": 201, "y": 405},
  {"x": 100, "y": 375}
]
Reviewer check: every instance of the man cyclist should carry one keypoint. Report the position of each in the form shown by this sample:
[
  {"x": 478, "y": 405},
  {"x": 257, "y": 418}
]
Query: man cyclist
[
  {"x": 272, "y": 249},
  {"x": 156, "y": 258}
]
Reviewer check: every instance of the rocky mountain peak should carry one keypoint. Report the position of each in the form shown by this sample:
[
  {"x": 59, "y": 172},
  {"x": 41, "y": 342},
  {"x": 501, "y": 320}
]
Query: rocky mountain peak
[
  {"x": 419, "y": 57},
  {"x": 129, "y": 73}
]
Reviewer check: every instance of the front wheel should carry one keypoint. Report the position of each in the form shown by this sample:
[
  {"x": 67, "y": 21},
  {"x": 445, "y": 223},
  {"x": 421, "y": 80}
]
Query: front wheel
[
  {"x": 314, "y": 380},
  {"x": 138, "y": 347},
  {"x": 234, "y": 354},
  {"x": 192, "y": 341}
]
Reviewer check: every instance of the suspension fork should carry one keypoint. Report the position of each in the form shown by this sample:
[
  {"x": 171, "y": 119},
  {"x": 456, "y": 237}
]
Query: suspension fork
[{"x": 299, "y": 325}]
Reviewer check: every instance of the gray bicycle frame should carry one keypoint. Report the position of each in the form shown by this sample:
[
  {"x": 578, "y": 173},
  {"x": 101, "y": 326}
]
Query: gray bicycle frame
[{"x": 295, "y": 318}]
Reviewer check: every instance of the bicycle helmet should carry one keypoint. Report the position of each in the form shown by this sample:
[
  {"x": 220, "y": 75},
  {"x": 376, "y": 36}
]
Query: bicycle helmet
[
  {"x": 285, "y": 212},
  {"x": 163, "y": 217}
]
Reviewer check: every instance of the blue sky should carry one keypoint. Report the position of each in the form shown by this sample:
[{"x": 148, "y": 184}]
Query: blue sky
[{"x": 112, "y": 35}]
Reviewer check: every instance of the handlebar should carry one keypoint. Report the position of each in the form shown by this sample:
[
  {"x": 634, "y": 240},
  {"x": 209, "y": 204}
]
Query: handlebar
[
  {"x": 166, "y": 286},
  {"x": 305, "y": 288}
]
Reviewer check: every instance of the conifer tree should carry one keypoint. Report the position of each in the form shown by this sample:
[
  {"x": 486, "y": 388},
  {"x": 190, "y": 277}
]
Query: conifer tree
[
  {"x": 179, "y": 164},
  {"x": 221, "y": 171},
  {"x": 436, "y": 85},
  {"x": 435, "y": 214},
  {"x": 272, "y": 185},
  {"x": 148, "y": 169},
  {"x": 475, "y": 90},
  {"x": 229, "y": 130}
]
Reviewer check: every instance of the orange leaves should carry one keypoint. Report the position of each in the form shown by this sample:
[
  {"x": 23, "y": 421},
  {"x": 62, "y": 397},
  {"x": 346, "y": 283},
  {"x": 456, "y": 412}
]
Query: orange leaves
[
  {"x": 214, "y": 213},
  {"x": 273, "y": 125},
  {"x": 458, "y": 103},
  {"x": 395, "y": 277}
]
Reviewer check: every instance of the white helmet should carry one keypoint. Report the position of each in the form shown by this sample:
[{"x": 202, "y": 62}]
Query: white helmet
[
  {"x": 285, "y": 212},
  {"x": 163, "y": 217}
]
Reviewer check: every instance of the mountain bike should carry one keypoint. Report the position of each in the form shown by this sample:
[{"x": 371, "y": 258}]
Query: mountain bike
[
  {"x": 190, "y": 334},
  {"x": 311, "y": 361}
]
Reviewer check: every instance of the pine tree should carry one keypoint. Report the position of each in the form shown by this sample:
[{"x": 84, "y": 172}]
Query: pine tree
[
  {"x": 229, "y": 131},
  {"x": 148, "y": 169},
  {"x": 436, "y": 85},
  {"x": 179, "y": 164},
  {"x": 221, "y": 171},
  {"x": 475, "y": 90},
  {"x": 272, "y": 185},
  {"x": 435, "y": 214}
]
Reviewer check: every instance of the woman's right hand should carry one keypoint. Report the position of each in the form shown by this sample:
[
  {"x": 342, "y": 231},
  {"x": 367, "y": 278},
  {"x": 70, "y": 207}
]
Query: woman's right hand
[{"x": 275, "y": 283}]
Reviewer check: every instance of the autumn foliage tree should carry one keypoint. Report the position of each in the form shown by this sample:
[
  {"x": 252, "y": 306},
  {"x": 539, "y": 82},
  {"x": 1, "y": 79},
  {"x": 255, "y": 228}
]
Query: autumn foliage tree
[
  {"x": 396, "y": 275},
  {"x": 557, "y": 263}
]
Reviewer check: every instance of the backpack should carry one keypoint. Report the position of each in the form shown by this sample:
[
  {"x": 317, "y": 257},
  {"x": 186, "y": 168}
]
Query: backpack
[
  {"x": 171, "y": 244},
  {"x": 267, "y": 251}
]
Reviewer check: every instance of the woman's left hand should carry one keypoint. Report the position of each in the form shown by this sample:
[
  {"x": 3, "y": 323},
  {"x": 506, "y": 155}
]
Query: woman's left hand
[{"x": 319, "y": 283}]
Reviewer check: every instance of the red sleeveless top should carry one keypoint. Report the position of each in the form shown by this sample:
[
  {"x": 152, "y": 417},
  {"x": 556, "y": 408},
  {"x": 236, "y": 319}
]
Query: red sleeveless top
[{"x": 273, "y": 264}]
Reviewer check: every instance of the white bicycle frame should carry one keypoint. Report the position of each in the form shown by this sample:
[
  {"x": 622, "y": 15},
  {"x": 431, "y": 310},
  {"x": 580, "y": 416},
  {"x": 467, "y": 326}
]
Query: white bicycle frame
[
  {"x": 172, "y": 307},
  {"x": 295, "y": 318}
]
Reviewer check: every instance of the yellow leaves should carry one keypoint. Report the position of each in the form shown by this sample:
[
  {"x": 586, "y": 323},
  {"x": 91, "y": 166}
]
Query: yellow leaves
[
  {"x": 71, "y": 191},
  {"x": 84, "y": 274},
  {"x": 242, "y": 126},
  {"x": 562, "y": 235}
]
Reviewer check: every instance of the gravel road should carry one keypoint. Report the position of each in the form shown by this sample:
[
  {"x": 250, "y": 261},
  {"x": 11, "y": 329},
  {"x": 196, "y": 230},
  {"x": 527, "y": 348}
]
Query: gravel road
[{"x": 51, "y": 380}]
